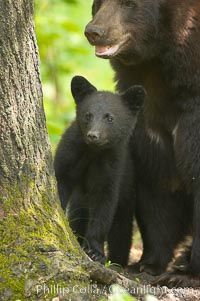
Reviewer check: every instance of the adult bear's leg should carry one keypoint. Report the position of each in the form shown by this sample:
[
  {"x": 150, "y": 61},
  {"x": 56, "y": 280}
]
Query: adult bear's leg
[
  {"x": 161, "y": 205},
  {"x": 187, "y": 150}
]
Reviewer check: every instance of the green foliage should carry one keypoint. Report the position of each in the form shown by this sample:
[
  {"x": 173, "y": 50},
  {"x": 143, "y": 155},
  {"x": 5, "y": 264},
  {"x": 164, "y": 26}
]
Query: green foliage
[{"x": 65, "y": 52}]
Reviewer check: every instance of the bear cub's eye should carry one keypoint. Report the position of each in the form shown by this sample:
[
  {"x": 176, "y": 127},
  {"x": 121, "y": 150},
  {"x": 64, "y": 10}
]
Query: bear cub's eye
[
  {"x": 109, "y": 117},
  {"x": 88, "y": 116},
  {"x": 128, "y": 3}
]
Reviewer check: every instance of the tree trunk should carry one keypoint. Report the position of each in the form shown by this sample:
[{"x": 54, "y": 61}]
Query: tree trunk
[{"x": 36, "y": 244}]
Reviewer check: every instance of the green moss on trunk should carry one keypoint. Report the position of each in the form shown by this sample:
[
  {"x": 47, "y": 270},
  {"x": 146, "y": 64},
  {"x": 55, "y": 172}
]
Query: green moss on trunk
[{"x": 37, "y": 247}]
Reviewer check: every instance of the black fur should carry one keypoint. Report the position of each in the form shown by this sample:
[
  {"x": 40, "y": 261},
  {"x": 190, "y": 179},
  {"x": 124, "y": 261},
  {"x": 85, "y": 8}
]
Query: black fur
[
  {"x": 94, "y": 169},
  {"x": 156, "y": 43}
]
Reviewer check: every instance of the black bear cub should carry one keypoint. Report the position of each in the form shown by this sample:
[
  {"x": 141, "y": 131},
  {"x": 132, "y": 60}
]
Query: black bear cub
[{"x": 94, "y": 169}]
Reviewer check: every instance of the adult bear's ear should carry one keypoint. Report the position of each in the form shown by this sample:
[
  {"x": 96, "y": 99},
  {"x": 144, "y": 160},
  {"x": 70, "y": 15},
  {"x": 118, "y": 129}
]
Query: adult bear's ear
[
  {"x": 134, "y": 97},
  {"x": 81, "y": 87}
]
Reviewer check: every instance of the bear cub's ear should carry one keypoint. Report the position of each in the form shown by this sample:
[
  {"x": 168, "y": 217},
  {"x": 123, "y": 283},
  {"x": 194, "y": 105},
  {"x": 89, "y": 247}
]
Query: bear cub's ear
[
  {"x": 80, "y": 88},
  {"x": 134, "y": 97}
]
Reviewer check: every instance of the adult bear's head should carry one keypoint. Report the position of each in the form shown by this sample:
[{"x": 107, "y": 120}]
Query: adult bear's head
[{"x": 124, "y": 29}]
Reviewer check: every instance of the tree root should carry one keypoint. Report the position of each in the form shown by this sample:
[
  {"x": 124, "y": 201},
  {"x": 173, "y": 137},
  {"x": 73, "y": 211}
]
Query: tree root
[{"x": 139, "y": 287}]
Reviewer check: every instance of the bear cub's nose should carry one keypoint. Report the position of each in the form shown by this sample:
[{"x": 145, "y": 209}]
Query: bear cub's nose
[{"x": 93, "y": 136}]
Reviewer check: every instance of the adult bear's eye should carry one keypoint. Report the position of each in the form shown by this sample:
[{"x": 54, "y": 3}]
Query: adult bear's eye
[
  {"x": 128, "y": 3},
  {"x": 88, "y": 116},
  {"x": 109, "y": 118}
]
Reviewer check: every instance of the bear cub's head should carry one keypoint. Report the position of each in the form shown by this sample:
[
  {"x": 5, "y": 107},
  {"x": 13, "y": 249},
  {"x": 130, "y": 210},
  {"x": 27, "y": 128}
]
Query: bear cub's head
[{"x": 105, "y": 119}]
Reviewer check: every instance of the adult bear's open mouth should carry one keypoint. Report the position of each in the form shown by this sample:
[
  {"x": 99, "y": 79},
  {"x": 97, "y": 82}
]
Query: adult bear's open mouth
[
  {"x": 110, "y": 50},
  {"x": 106, "y": 51}
]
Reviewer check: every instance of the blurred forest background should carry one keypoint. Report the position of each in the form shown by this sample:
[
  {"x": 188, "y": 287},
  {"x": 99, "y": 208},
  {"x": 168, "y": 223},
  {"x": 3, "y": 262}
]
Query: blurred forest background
[{"x": 65, "y": 52}]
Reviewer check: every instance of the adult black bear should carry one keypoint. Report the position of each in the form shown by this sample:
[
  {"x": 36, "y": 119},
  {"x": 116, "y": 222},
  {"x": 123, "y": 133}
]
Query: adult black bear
[
  {"x": 156, "y": 43},
  {"x": 93, "y": 168}
]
